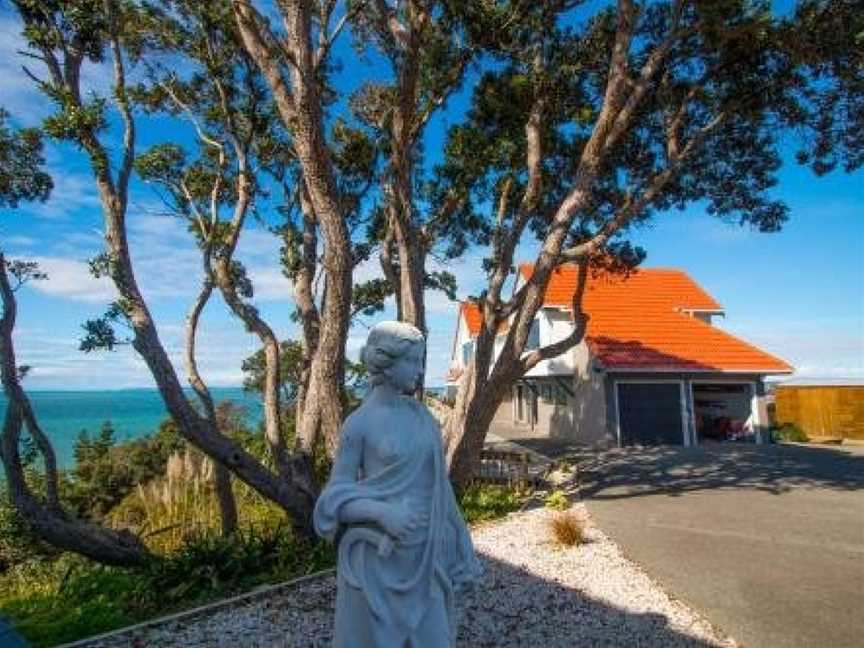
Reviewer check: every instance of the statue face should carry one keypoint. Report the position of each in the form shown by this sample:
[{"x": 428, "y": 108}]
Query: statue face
[{"x": 406, "y": 372}]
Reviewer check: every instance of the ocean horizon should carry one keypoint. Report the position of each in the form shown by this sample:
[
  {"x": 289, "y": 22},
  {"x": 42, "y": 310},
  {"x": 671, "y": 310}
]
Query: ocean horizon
[{"x": 133, "y": 412}]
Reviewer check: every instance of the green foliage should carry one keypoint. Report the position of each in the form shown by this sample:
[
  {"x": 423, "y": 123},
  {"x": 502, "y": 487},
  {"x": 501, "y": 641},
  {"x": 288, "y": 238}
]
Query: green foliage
[
  {"x": 790, "y": 432},
  {"x": 73, "y": 598},
  {"x": 557, "y": 501},
  {"x": 52, "y": 599},
  {"x": 21, "y": 162},
  {"x": 290, "y": 369},
  {"x": 105, "y": 472},
  {"x": 71, "y": 120},
  {"x": 99, "y": 333},
  {"x": 24, "y": 271},
  {"x": 484, "y": 502},
  {"x": 18, "y": 544},
  {"x": 52, "y": 620},
  {"x": 368, "y": 297}
]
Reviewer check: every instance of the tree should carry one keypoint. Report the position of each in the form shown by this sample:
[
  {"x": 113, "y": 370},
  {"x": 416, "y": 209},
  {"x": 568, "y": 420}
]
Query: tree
[
  {"x": 45, "y": 517},
  {"x": 23, "y": 178},
  {"x": 293, "y": 67},
  {"x": 423, "y": 44},
  {"x": 62, "y": 35},
  {"x": 21, "y": 174},
  {"x": 589, "y": 126},
  {"x": 290, "y": 372}
]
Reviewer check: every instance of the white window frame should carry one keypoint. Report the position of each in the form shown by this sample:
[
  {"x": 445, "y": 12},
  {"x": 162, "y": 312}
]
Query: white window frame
[
  {"x": 754, "y": 403},
  {"x": 682, "y": 404}
]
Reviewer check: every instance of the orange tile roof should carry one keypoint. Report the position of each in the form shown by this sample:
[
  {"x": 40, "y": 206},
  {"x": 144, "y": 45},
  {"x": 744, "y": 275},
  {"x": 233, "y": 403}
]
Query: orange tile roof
[
  {"x": 661, "y": 287},
  {"x": 639, "y": 322},
  {"x": 473, "y": 318}
]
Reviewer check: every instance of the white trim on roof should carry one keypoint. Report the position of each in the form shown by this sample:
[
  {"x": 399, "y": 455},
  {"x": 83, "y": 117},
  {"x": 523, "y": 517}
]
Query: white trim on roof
[{"x": 713, "y": 311}]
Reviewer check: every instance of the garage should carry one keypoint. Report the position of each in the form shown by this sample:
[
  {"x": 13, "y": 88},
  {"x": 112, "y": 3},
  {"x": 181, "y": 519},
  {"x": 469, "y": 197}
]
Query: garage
[
  {"x": 649, "y": 413},
  {"x": 723, "y": 411}
]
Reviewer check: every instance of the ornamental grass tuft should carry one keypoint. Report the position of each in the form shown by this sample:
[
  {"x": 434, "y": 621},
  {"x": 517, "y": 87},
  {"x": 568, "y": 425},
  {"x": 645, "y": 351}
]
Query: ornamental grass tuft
[{"x": 567, "y": 528}]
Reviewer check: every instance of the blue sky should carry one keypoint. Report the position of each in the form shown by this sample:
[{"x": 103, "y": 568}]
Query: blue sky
[{"x": 798, "y": 293}]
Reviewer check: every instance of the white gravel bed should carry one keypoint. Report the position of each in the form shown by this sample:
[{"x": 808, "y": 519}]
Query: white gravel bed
[{"x": 534, "y": 593}]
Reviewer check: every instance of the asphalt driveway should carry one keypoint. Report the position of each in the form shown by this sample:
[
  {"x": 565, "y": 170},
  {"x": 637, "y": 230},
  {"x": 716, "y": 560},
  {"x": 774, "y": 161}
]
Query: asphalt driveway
[{"x": 767, "y": 541}]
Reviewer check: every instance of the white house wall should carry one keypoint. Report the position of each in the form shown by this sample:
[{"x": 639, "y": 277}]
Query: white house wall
[
  {"x": 590, "y": 406},
  {"x": 555, "y": 325},
  {"x": 462, "y": 336}
]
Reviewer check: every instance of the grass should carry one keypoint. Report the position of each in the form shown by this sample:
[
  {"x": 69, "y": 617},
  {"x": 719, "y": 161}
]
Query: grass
[
  {"x": 557, "y": 500},
  {"x": 484, "y": 502},
  {"x": 567, "y": 528},
  {"x": 790, "y": 432},
  {"x": 73, "y": 598}
]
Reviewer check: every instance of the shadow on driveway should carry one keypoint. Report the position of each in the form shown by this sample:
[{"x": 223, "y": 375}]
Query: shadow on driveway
[
  {"x": 767, "y": 541},
  {"x": 633, "y": 472}
]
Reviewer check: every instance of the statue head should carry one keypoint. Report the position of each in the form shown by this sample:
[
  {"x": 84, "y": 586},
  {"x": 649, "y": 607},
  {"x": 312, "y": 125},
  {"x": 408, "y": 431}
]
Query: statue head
[{"x": 394, "y": 354}]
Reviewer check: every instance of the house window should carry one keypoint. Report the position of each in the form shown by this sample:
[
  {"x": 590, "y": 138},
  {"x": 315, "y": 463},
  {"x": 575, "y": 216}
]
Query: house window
[
  {"x": 533, "y": 336},
  {"x": 560, "y": 395},
  {"x": 520, "y": 404},
  {"x": 467, "y": 353}
]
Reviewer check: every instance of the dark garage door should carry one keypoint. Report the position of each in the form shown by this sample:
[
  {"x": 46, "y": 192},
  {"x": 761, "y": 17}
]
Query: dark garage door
[{"x": 650, "y": 413}]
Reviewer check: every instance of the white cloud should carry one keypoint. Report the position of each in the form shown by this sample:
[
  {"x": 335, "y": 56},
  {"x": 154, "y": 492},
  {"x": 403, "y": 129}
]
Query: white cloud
[
  {"x": 22, "y": 241},
  {"x": 827, "y": 370},
  {"x": 270, "y": 284},
  {"x": 18, "y": 93},
  {"x": 71, "y": 279},
  {"x": 72, "y": 193}
]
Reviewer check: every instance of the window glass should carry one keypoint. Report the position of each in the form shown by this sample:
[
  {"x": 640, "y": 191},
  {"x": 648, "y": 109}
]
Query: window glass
[
  {"x": 533, "y": 336},
  {"x": 467, "y": 352}
]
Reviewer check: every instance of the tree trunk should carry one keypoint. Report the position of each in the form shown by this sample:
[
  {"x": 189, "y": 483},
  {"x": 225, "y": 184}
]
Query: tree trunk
[
  {"x": 323, "y": 406},
  {"x": 304, "y": 298},
  {"x": 49, "y": 522},
  {"x": 477, "y": 400},
  {"x": 225, "y": 496},
  {"x": 299, "y": 105},
  {"x": 249, "y": 315},
  {"x": 221, "y": 475}
]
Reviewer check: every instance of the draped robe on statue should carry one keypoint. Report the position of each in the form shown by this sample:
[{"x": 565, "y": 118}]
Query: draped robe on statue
[{"x": 394, "y": 593}]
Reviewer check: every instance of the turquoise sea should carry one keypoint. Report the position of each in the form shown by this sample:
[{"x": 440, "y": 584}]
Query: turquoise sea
[{"x": 132, "y": 412}]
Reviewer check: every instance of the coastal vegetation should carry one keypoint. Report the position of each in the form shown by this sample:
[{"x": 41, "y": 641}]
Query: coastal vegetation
[{"x": 161, "y": 488}]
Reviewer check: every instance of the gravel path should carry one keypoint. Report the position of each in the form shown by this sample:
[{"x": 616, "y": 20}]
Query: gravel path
[{"x": 533, "y": 594}]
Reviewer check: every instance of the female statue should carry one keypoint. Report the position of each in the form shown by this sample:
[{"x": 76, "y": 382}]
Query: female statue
[{"x": 403, "y": 545}]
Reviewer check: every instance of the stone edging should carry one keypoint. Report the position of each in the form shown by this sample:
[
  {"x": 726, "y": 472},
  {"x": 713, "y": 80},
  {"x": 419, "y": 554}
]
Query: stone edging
[{"x": 203, "y": 610}]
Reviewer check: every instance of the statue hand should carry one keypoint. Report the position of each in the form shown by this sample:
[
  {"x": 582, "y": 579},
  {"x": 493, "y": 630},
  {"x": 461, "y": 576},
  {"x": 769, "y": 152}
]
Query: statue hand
[{"x": 399, "y": 521}]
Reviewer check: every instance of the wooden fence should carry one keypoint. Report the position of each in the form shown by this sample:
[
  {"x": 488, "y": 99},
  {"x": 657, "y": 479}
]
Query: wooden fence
[
  {"x": 835, "y": 411},
  {"x": 511, "y": 468}
]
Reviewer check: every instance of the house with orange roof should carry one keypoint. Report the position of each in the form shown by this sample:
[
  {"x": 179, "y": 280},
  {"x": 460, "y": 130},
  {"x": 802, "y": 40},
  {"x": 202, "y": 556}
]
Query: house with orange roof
[{"x": 654, "y": 368}]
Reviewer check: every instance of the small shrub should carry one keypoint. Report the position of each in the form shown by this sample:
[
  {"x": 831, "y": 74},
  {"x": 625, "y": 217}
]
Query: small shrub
[
  {"x": 72, "y": 597},
  {"x": 790, "y": 432},
  {"x": 557, "y": 501},
  {"x": 568, "y": 529},
  {"x": 483, "y": 502}
]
